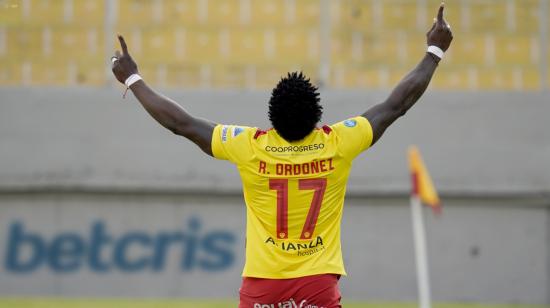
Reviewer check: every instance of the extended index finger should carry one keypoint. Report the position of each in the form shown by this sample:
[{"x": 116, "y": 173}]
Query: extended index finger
[
  {"x": 123, "y": 45},
  {"x": 440, "y": 13}
]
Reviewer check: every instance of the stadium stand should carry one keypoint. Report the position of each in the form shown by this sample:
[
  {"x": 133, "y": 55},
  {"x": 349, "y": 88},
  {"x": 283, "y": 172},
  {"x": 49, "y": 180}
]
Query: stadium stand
[{"x": 245, "y": 43}]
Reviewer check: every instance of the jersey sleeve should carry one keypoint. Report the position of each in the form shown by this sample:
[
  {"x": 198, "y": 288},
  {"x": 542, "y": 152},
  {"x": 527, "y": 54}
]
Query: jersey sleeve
[
  {"x": 231, "y": 142},
  {"x": 354, "y": 136}
]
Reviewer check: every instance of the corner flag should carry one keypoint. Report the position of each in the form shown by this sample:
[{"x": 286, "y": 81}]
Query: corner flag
[
  {"x": 423, "y": 191},
  {"x": 422, "y": 185}
]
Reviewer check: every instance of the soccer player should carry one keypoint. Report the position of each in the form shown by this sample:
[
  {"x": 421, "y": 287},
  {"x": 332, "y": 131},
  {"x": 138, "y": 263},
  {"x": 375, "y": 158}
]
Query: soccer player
[{"x": 294, "y": 175}]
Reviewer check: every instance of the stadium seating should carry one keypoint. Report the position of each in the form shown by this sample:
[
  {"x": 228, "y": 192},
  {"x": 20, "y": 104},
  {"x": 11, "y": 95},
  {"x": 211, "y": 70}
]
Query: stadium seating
[
  {"x": 224, "y": 12},
  {"x": 130, "y": 11},
  {"x": 42, "y": 13},
  {"x": 21, "y": 43},
  {"x": 88, "y": 12},
  {"x": 11, "y": 13},
  {"x": 269, "y": 12},
  {"x": 250, "y": 44},
  {"x": 248, "y": 47},
  {"x": 11, "y": 73}
]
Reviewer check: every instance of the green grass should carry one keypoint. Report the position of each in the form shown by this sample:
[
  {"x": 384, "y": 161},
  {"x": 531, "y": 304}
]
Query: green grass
[{"x": 149, "y": 303}]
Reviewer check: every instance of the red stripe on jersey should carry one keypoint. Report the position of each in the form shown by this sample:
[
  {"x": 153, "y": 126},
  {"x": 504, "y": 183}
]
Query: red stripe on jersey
[
  {"x": 327, "y": 129},
  {"x": 259, "y": 132}
]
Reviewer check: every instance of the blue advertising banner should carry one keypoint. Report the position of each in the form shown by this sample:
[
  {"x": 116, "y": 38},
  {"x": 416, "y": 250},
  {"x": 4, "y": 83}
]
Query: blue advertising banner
[
  {"x": 121, "y": 247},
  {"x": 132, "y": 251}
]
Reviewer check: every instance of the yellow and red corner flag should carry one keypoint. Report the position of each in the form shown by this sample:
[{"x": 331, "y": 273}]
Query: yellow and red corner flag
[{"x": 422, "y": 185}]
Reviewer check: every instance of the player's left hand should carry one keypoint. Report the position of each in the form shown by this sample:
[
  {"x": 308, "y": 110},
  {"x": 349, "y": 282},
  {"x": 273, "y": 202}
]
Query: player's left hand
[
  {"x": 123, "y": 64},
  {"x": 440, "y": 34}
]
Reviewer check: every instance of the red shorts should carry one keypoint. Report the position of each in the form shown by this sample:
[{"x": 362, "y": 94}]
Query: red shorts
[{"x": 305, "y": 292}]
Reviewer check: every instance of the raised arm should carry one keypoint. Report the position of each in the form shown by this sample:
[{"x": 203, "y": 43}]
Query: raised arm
[
  {"x": 410, "y": 88},
  {"x": 166, "y": 111}
]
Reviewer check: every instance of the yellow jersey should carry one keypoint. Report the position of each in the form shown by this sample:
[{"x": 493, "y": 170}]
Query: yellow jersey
[{"x": 294, "y": 194}]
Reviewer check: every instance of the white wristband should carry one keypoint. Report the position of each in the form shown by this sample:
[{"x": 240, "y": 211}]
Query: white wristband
[
  {"x": 436, "y": 51},
  {"x": 132, "y": 79}
]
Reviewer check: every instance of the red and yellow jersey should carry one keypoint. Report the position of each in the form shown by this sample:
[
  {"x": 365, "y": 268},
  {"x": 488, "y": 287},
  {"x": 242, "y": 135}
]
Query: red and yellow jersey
[{"x": 294, "y": 194}]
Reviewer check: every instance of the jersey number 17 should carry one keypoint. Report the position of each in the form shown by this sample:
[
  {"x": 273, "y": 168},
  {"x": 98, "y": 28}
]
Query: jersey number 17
[{"x": 281, "y": 186}]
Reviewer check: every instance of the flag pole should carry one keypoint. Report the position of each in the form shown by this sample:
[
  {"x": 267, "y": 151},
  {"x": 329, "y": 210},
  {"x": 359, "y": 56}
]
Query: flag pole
[
  {"x": 422, "y": 192},
  {"x": 421, "y": 256}
]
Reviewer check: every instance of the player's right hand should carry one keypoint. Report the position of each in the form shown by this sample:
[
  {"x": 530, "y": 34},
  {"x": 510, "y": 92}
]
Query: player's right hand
[
  {"x": 440, "y": 34},
  {"x": 123, "y": 64}
]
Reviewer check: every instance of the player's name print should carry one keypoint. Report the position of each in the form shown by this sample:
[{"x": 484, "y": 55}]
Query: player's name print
[{"x": 312, "y": 167}]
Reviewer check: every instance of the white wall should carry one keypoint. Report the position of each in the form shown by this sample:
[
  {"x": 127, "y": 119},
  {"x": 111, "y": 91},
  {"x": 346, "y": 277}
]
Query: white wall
[
  {"x": 479, "y": 143},
  {"x": 71, "y": 157}
]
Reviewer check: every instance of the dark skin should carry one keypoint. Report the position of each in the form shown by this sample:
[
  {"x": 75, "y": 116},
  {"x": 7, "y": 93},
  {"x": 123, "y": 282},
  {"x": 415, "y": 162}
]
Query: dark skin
[
  {"x": 410, "y": 88},
  {"x": 163, "y": 109},
  {"x": 176, "y": 119}
]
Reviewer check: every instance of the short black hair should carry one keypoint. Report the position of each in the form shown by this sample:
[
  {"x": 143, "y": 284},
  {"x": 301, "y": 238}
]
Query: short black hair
[{"x": 294, "y": 108}]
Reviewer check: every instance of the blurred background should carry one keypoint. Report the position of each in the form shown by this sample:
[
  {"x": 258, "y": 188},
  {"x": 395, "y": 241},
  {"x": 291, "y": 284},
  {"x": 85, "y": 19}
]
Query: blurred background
[{"x": 98, "y": 201}]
